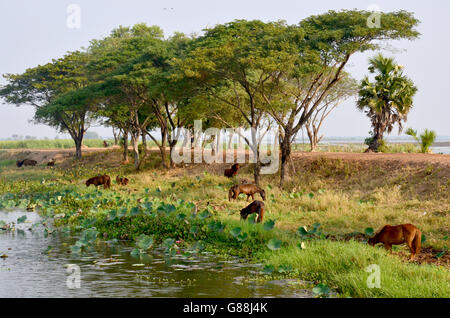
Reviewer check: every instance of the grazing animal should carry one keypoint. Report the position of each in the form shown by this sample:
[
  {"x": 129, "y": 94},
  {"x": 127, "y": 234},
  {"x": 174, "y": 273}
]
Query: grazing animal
[
  {"x": 248, "y": 189},
  {"x": 26, "y": 162},
  {"x": 51, "y": 163},
  {"x": 254, "y": 207},
  {"x": 104, "y": 180},
  {"x": 122, "y": 180},
  {"x": 232, "y": 171},
  {"x": 105, "y": 144},
  {"x": 395, "y": 235}
]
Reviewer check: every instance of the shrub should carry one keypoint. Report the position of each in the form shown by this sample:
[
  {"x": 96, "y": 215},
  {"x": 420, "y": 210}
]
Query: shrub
[{"x": 426, "y": 139}]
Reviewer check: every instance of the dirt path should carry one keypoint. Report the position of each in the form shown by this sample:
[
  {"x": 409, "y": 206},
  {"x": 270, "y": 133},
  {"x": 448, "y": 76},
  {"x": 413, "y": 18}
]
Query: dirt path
[
  {"x": 407, "y": 158},
  {"x": 45, "y": 155},
  {"x": 41, "y": 155}
]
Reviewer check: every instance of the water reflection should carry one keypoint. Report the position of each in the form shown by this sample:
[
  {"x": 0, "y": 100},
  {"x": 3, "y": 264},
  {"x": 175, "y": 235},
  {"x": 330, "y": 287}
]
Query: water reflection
[{"x": 110, "y": 271}]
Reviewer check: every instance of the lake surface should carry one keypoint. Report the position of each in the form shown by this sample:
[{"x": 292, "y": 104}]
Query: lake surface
[
  {"x": 110, "y": 271},
  {"x": 441, "y": 144}
]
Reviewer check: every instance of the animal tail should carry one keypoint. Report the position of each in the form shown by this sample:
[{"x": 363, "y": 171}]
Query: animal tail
[
  {"x": 108, "y": 182},
  {"x": 230, "y": 194},
  {"x": 417, "y": 242},
  {"x": 20, "y": 163}
]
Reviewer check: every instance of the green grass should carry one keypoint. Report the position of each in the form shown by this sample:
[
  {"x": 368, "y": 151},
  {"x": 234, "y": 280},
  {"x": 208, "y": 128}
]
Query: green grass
[
  {"x": 48, "y": 144},
  {"x": 344, "y": 197},
  {"x": 7, "y": 162},
  {"x": 342, "y": 265}
]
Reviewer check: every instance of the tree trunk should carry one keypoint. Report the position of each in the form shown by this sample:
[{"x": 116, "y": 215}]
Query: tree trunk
[
  {"x": 213, "y": 145},
  {"x": 378, "y": 130},
  {"x": 162, "y": 148},
  {"x": 376, "y": 142},
  {"x": 171, "y": 146},
  {"x": 285, "y": 156},
  {"x": 78, "y": 145},
  {"x": 144, "y": 143},
  {"x": 257, "y": 172},
  {"x": 312, "y": 138},
  {"x": 125, "y": 147},
  {"x": 230, "y": 140},
  {"x": 116, "y": 136},
  {"x": 218, "y": 141},
  {"x": 135, "y": 144}
]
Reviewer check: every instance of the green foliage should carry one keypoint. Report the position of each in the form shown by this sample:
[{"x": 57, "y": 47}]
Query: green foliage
[
  {"x": 426, "y": 140},
  {"x": 314, "y": 233},
  {"x": 22, "y": 219},
  {"x": 321, "y": 290},
  {"x": 274, "y": 244},
  {"x": 268, "y": 225},
  {"x": 387, "y": 100}
]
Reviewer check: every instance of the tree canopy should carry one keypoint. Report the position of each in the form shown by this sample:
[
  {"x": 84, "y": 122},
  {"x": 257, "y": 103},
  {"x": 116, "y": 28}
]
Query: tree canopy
[{"x": 250, "y": 74}]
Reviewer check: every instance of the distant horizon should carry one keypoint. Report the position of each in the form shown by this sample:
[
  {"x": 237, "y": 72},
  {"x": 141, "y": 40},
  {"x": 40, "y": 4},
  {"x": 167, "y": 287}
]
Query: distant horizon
[{"x": 388, "y": 137}]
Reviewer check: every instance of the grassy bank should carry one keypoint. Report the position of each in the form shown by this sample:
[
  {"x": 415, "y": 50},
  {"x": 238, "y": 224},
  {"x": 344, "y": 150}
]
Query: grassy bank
[
  {"x": 49, "y": 144},
  {"x": 343, "y": 197}
]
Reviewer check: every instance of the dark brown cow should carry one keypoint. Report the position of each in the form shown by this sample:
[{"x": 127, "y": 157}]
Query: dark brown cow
[
  {"x": 122, "y": 181},
  {"x": 26, "y": 162},
  {"x": 104, "y": 180},
  {"x": 232, "y": 171},
  {"x": 248, "y": 189},
  {"x": 254, "y": 207}
]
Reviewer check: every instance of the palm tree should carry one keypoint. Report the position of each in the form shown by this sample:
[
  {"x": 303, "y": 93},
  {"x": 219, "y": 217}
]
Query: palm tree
[{"x": 387, "y": 100}]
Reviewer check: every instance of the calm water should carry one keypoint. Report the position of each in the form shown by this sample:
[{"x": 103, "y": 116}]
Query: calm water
[
  {"x": 441, "y": 144},
  {"x": 110, "y": 270}
]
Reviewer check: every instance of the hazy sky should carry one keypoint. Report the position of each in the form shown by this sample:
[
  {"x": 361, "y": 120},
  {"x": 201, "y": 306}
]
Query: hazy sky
[{"x": 34, "y": 32}]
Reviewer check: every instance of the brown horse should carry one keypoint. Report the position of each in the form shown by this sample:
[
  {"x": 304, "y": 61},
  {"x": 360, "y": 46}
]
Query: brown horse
[
  {"x": 232, "y": 171},
  {"x": 26, "y": 162},
  {"x": 248, "y": 189},
  {"x": 254, "y": 207},
  {"x": 395, "y": 235},
  {"x": 122, "y": 181},
  {"x": 104, "y": 180}
]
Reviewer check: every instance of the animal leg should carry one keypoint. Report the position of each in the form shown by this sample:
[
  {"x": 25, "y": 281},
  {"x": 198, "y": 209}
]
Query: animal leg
[
  {"x": 388, "y": 247},
  {"x": 260, "y": 215}
]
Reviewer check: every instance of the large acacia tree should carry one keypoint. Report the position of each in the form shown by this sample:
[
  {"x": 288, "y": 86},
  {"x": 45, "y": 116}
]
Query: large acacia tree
[
  {"x": 43, "y": 85},
  {"x": 328, "y": 43},
  {"x": 123, "y": 77},
  {"x": 233, "y": 63}
]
